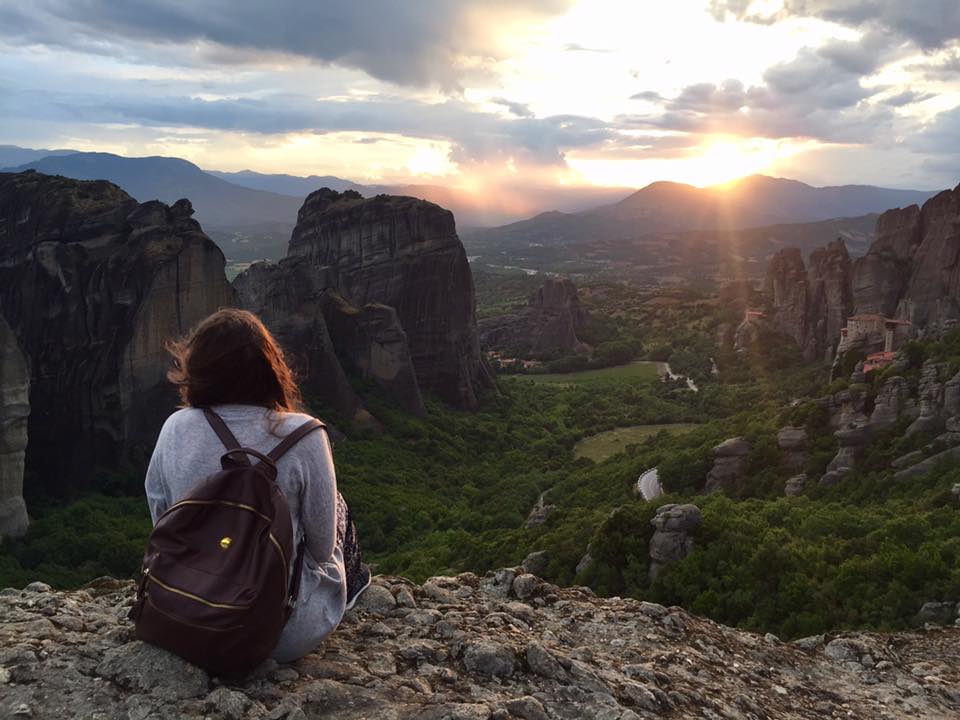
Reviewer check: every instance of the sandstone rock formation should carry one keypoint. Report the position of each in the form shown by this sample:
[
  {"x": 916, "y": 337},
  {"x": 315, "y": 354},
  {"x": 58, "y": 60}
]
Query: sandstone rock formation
[
  {"x": 811, "y": 303},
  {"x": 91, "y": 284},
  {"x": 911, "y": 272},
  {"x": 795, "y": 485},
  {"x": 729, "y": 465},
  {"x": 295, "y": 302},
  {"x": 890, "y": 400},
  {"x": 913, "y": 269},
  {"x": 552, "y": 321},
  {"x": 14, "y": 410},
  {"x": 930, "y": 393},
  {"x": 450, "y": 650},
  {"x": 792, "y": 442},
  {"x": 671, "y": 539},
  {"x": 402, "y": 253}
]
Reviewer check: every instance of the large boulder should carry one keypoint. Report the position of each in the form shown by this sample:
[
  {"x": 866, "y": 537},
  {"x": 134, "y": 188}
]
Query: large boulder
[
  {"x": 402, "y": 253},
  {"x": 671, "y": 539},
  {"x": 729, "y": 464},
  {"x": 792, "y": 442},
  {"x": 92, "y": 284}
]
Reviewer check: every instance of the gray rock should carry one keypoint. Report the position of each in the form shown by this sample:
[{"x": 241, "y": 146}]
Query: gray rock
[
  {"x": 145, "y": 668},
  {"x": 938, "y": 613},
  {"x": 889, "y": 402},
  {"x": 377, "y": 599},
  {"x": 904, "y": 461},
  {"x": 231, "y": 704},
  {"x": 498, "y": 583},
  {"x": 795, "y": 485},
  {"x": 809, "y": 643},
  {"x": 536, "y": 563},
  {"x": 527, "y": 708},
  {"x": 542, "y": 662},
  {"x": 671, "y": 540},
  {"x": 792, "y": 442},
  {"x": 832, "y": 477},
  {"x": 925, "y": 466},
  {"x": 489, "y": 658},
  {"x": 583, "y": 563},
  {"x": 729, "y": 464},
  {"x": 38, "y": 587},
  {"x": 524, "y": 586}
]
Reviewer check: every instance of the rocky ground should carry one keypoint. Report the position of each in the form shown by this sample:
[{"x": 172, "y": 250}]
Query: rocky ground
[{"x": 465, "y": 648}]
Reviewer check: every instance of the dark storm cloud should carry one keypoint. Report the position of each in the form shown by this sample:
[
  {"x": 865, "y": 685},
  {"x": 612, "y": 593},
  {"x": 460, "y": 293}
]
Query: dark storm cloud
[
  {"x": 409, "y": 43},
  {"x": 929, "y": 24}
]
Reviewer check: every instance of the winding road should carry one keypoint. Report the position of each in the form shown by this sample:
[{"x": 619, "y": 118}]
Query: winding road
[{"x": 649, "y": 485}]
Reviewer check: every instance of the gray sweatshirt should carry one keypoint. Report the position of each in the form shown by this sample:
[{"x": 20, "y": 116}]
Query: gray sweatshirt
[{"x": 188, "y": 450}]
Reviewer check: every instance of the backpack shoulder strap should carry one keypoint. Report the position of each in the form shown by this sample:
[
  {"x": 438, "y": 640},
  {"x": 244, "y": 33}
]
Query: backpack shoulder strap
[
  {"x": 228, "y": 439},
  {"x": 293, "y": 438}
]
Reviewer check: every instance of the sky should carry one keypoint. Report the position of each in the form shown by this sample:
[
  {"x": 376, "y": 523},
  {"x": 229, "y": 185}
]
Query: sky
[{"x": 481, "y": 93}]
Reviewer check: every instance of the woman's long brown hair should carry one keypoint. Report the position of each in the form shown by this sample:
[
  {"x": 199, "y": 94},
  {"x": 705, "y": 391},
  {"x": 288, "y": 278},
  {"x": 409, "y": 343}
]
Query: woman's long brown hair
[{"x": 231, "y": 358}]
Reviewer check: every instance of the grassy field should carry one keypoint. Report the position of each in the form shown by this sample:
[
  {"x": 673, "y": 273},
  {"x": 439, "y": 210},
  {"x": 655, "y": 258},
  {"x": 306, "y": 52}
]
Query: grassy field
[
  {"x": 599, "y": 447},
  {"x": 641, "y": 371}
]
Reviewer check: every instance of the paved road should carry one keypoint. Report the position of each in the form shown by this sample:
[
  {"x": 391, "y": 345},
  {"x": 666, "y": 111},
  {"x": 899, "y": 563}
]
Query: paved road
[
  {"x": 665, "y": 370},
  {"x": 649, "y": 485}
]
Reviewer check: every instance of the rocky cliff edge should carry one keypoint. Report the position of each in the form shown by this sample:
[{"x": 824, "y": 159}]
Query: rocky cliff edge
[{"x": 469, "y": 648}]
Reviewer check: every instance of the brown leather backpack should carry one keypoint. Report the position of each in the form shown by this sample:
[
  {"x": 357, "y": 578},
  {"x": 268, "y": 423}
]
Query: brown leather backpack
[{"x": 215, "y": 586}]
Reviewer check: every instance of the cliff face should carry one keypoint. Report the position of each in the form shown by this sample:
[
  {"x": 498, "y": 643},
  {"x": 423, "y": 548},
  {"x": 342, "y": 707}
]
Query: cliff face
[
  {"x": 553, "y": 320},
  {"x": 811, "y": 304},
  {"x": 91, "y": 284},
  {"x": 504, "y": 647},
  {"x": 14, "y": 409},
  {"x": 398, "y": 293},
  {"x": 403, "y": 253},
  {"x": 912, "y": 270},
  {"x": 295, "y": 300}
]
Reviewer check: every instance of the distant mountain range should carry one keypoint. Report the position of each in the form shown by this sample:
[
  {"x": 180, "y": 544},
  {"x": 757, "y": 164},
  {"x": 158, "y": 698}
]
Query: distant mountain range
[
  {"x": 660, "y": 207},
  {"x": 252, "y": 214}
]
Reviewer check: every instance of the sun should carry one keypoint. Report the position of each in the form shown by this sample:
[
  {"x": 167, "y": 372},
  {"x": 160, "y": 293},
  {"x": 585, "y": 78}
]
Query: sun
[{"x": 722, "y": 160}]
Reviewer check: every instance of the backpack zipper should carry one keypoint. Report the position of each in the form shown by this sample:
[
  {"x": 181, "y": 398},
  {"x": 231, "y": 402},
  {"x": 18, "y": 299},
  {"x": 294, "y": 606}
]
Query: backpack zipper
[
  {"x": 230, "y": 503},
  {"x": 152, "y": 604},
  {"x": 197, "y": 598}
]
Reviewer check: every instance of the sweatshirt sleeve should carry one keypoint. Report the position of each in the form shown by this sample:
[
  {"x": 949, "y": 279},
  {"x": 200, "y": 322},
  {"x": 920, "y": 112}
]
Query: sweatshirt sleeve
[
  {"x": 154, "y": 484},
  {"x": 319, "y": 504}
]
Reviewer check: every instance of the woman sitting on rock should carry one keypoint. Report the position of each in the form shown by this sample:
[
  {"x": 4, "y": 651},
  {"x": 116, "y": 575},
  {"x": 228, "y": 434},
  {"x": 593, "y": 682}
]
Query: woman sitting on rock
[{"x": 230, "y": 364}]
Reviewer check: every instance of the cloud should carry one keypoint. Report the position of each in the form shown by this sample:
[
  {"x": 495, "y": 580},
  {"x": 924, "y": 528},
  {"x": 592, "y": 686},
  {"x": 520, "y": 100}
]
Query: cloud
[
  {"x": 517, "y": 108},
  {"x": 929, "y": 24},
  {"x": 408, "y": 43},
  {"x": 819, "y": 94},
  {"x": 944, "y": 67},
  {"x": 477, "y": 137},
  {"x": 907, "y": 97}
]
